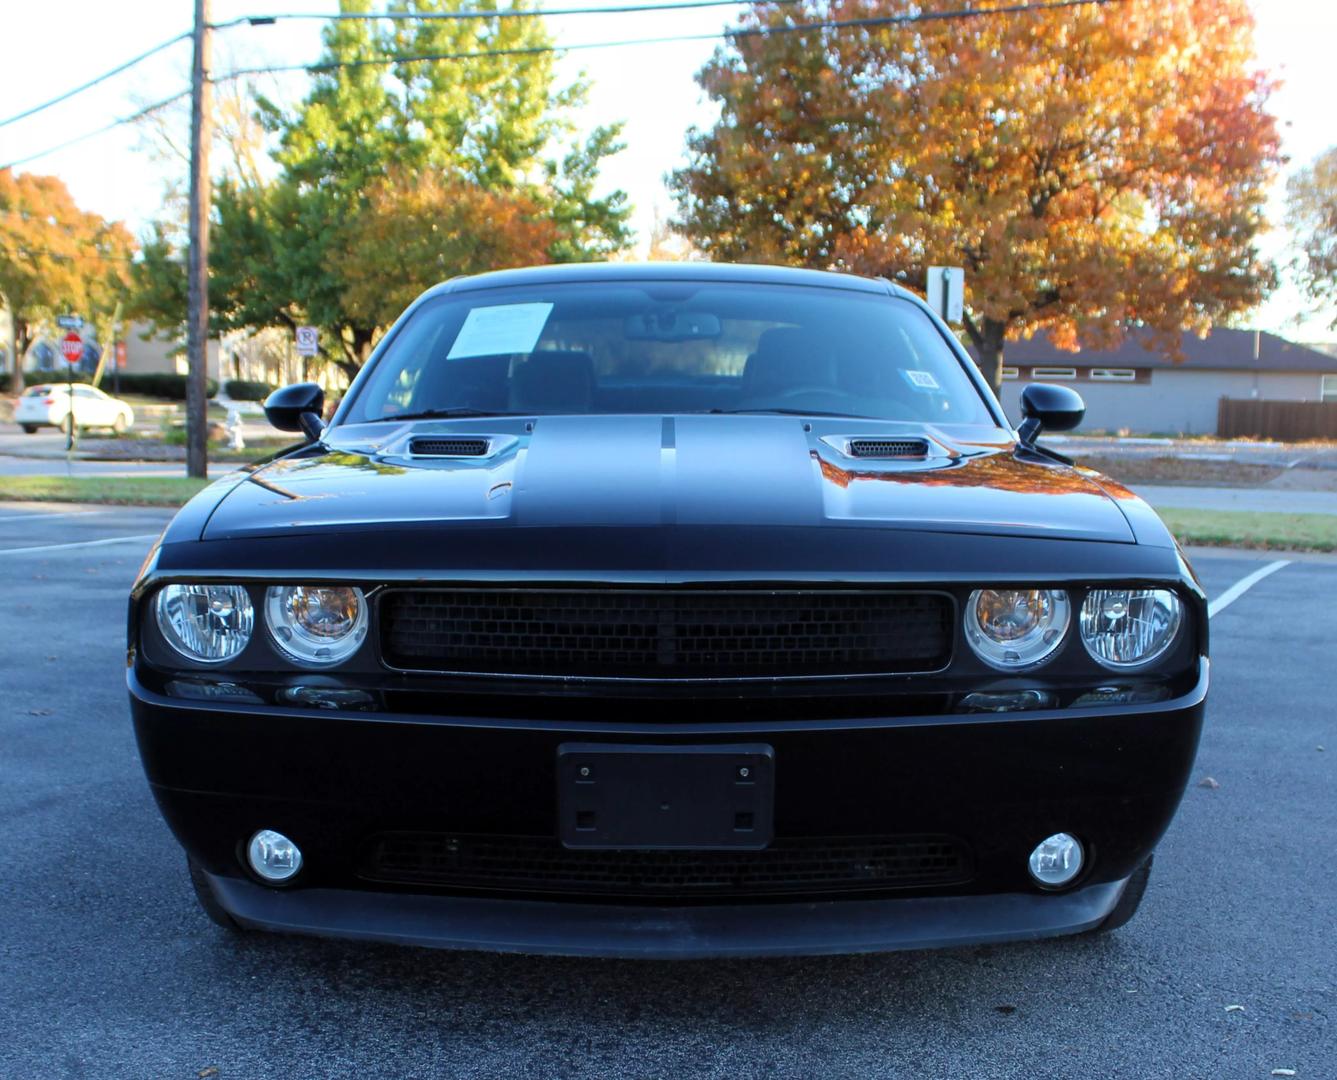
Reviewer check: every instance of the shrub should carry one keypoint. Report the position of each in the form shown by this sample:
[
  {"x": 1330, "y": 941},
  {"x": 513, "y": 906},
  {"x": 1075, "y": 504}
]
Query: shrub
[
  {"x": 157, "y": 384},
  {"x": 246, "y": 390}
]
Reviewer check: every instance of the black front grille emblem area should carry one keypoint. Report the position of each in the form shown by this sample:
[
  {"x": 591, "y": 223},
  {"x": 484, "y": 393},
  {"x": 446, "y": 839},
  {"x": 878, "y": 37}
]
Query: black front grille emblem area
[
  {"x": 434, "y": 446},
  {"x": 666, "y": 634},
  {"x": 888, "y": 448}
]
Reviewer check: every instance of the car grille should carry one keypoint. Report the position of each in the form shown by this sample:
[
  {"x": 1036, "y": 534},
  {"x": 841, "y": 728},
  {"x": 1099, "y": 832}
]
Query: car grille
[
  {"x": 666, "y": 634},
  {"x": 541, "y": 864}
]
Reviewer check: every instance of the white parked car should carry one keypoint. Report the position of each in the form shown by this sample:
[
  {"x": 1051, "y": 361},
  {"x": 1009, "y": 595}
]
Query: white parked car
[{"x": 49, "y": 406}]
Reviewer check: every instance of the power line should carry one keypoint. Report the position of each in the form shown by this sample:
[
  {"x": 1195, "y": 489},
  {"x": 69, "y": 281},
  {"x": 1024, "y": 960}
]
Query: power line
[
  {"x": 266, "y": 20},
  {"x": 728, "y": 34},
  {"x": 98, "y": 131},
  {"x": 740, "y": 32},
  {"x": 93, "y": 82},
  {"x": 456, "y": 16}
]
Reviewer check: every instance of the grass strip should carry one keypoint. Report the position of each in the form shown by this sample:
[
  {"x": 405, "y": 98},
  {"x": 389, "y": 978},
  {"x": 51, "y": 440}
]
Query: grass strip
[
  {"x": 1243, "y": 528},
  {"x": 118, "y": 490}
]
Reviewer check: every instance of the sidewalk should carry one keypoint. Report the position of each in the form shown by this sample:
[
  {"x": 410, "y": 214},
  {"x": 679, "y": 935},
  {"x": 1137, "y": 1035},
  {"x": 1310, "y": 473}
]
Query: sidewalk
[
  {"x": 1243, "y": 451},
  {"x": 1253, "y": 500},
  {"x": 11, "y": 465}
]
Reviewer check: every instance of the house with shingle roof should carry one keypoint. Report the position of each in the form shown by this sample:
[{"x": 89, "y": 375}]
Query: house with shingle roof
[{"x": 1143, "y": 392}]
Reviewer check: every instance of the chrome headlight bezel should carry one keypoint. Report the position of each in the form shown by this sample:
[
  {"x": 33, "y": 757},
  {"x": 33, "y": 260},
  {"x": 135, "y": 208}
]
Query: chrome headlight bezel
[
  {"x": 1129, "y": 601},
  {"x": 1052, "y": 611},
  {"x": 299, "y": 641},
  {"x": 229, "y": 607}
]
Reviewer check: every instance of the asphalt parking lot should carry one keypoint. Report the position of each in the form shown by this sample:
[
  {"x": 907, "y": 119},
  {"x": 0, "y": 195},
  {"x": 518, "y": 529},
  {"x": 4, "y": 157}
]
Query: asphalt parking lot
[{"x": 108, "y": 969}]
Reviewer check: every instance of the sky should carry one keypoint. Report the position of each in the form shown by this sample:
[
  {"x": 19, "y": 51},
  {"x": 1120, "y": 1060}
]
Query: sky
[{"x": 651, "y": 89}]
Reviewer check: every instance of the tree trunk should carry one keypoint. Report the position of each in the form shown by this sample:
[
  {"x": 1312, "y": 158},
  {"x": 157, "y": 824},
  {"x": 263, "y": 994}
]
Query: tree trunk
[
  {"x": 990, "y": 348},
  {"x": 358, "y": 344},
  {"x": 18, "y": 345}
]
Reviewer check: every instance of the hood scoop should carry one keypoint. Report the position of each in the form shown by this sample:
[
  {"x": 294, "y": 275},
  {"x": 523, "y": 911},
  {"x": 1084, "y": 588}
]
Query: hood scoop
[
  {"x": 452, "y": 446},
  {"x": 910, "y": 449},
  {"x": 887, "y": 448}
]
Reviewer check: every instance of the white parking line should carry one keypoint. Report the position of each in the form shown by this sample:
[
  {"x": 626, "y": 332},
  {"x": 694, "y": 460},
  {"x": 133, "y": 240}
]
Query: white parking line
[
  {"x": 1244, "y": 585},
  {"x": 81, "y": 544},
  {"x": 39, "y": 516}
]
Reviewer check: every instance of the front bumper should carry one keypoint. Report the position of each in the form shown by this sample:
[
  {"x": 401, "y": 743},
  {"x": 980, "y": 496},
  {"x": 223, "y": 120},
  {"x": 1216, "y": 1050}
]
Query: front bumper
[
  {"x": 681, "y": 933},
  {"x": 1112, "y": 776}
]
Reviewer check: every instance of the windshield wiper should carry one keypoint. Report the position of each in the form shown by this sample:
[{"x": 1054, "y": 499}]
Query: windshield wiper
[
  {"x": 439, "y": 414},
  {"x": 793, "y": 412}
]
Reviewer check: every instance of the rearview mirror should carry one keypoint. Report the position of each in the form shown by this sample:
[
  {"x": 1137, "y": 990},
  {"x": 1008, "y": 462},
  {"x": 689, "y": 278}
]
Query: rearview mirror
[
  {"x": 297, "y": 408},
  {"x": 668, "y": 324},
  {"x": 1048, "y": 407}
]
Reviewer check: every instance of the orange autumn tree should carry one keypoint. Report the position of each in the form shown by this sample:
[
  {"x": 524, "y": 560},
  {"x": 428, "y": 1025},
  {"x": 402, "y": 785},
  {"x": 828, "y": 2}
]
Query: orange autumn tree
[
  {"x": 54, "y": 258},
  {"x": 419, "y": 229},
  {"x": 1093, "y": 168}
]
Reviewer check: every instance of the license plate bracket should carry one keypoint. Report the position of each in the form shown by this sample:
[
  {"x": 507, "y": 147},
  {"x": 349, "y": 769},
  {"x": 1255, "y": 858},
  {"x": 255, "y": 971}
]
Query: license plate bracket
[{"x": 660, "y": 798}]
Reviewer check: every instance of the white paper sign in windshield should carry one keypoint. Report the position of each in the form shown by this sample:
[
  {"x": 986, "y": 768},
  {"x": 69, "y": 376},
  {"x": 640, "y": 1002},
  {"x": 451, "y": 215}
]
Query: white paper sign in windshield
[{"x": 500, "y": 331}]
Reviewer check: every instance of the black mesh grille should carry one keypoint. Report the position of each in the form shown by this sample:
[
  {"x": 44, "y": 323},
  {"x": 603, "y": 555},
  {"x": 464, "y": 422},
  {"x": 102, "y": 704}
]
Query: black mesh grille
[
  {"x": 434, "y": 447},
  {"x": 665, "y": 634},
  {"x": 541, "y": 864},
  {"x": 888, "y": 448}
]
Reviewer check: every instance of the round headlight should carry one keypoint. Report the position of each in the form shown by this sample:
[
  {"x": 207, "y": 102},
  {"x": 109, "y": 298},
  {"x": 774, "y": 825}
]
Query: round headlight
[
  {"x": 205, "y": 623},
  {"x": 1127, "y": 628},
  {"x": 317, "y": 624},
  {"x": 1013, "y": 629}
]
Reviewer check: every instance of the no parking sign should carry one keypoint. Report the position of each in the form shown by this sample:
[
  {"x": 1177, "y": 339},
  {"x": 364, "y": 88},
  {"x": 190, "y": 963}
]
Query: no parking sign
[{"x": 308, "y": 341}]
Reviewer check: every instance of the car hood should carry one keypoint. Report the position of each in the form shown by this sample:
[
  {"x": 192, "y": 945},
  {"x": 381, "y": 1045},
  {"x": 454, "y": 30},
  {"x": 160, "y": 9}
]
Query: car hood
[{"x": 627, "y": 471}]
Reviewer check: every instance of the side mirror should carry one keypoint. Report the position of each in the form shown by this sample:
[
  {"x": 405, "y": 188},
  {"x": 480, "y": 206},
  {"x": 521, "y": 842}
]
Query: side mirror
[
  {"x": 1045, "y": 406},
  {"x": 297, "y": 408}
]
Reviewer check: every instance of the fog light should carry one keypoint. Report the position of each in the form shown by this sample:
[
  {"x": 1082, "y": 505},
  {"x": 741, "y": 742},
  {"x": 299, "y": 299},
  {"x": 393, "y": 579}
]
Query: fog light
[
  {"x": 273, "y": 856},
  {"x": 1056, "y": 861}
]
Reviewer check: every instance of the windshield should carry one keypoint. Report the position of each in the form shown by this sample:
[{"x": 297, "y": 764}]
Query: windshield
[{"x": 669, "y": 347}]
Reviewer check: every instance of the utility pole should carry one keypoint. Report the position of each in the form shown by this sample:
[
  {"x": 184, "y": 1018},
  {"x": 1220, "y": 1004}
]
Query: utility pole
[{"x": 197, "y": 267}]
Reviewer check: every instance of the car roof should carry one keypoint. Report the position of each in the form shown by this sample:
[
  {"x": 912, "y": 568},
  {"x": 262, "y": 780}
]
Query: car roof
[{"x": 756, "y": 274}]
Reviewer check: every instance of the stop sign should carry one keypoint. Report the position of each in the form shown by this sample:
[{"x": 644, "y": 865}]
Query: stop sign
[{"x": 72, "y": 347}]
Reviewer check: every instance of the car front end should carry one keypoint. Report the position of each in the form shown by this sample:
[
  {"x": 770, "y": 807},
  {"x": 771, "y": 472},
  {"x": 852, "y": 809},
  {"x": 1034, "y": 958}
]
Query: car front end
[{"x": 668, "y": 684}]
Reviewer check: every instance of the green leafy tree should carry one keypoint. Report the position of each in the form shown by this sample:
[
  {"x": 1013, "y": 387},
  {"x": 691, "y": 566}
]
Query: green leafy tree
[
  {"x": 447, "y": 143},
  {"x": 1091, "y": 168},
  {"x": 1311, "y": 213},
  {"x": 54, "y": 257}
]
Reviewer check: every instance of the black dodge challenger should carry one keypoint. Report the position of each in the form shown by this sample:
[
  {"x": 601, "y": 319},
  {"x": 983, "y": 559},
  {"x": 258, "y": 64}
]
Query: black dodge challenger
[{"x": 679, "y": 610}]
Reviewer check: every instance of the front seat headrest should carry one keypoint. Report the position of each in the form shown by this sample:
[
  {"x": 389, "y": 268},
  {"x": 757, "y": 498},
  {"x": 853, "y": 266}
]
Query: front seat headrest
[
  {"x": 787, "y": 357},
  {"x": 553, "y": 380}
]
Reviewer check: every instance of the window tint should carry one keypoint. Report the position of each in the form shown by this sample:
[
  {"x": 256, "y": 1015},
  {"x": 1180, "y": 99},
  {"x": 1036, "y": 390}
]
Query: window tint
[{"x": 670, "y": 347}]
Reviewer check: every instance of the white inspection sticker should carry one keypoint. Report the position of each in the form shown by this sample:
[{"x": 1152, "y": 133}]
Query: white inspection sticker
[
  {"x": 500, "y": 331},
  {"x": 921, "y": 380}
]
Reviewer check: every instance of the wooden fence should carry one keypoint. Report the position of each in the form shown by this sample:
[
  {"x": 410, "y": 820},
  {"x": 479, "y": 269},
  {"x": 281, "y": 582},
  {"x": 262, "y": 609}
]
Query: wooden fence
[{"x": 1285, "y": 421}]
